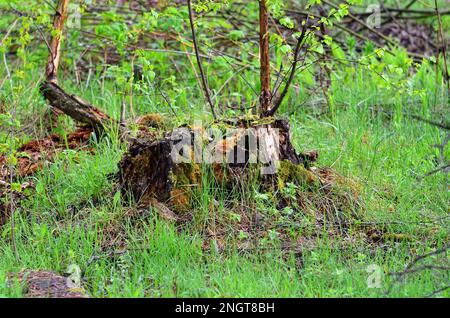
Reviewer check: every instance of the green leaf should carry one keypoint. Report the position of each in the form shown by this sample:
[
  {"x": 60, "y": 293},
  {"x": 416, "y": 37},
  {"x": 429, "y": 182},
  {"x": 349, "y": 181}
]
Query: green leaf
[
  {"x": 236, "y": 35},
  {"x": 287, "y": 22},
  {"x": 17, "y": 187},
  {"x": 285, "y": 48},
  {"x": 12, "y": 159}
]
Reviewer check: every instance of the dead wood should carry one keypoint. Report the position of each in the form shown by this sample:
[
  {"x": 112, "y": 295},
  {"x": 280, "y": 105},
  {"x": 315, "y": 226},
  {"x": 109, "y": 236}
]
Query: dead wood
[
  {"x": 150, "y": 175},
  {"x": 147, "y": 170},
  {"x": 71, "y": 105},
  {"x": 75, "y": 107},
  {"x": 47, "y": 284}
]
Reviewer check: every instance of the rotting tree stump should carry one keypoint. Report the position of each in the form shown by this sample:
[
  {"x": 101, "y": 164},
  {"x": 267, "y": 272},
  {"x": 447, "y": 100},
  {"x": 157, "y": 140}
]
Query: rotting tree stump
[
  {"x": 47, "y": 284},
  {"x": 147, "y": 171}
]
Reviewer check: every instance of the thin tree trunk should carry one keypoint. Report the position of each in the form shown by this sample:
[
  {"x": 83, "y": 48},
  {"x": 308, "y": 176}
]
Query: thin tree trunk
[
  {"x": 298, "y": 47},
  {"x": 58, "y": 99},
  {"x": 444, "y": 46},
  {"x": 55, "y": 45},
  {"x": 199, "y": 61},
  {"x": 265, "y": 97}
]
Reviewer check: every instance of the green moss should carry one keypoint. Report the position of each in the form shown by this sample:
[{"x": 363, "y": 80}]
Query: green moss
[
  {"x": 183, "y": 176},
  {"x": 393, "y": 237},
  {"x": 186, "y": 174},
  {"x": 298, "y": 174}
]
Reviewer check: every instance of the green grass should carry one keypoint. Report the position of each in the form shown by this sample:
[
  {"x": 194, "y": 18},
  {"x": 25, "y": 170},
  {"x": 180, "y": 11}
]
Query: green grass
[
  {"x": 365, "y": 133},
  {"x": 61, "y": 223}
]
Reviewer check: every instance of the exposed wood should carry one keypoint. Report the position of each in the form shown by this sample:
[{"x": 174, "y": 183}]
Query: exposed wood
[
  {"x": 71, "y": 105},
  {"x": 51, "y": 70},
  {"x": 265, "y": 96},
  {"x": 148, "y": 171}
]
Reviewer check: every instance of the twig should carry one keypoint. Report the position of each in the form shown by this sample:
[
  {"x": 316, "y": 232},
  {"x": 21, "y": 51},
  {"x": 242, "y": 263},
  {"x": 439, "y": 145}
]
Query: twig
[
  {"x": 199, "y": 62},
  {"x": 444, "y": 46},
  {"x": 421, "y": 257},
  {"x": 123, "y": 107},
  {"x": 10, "y": 28},
  {"x": 278, "y": 80},
  {"x": 409, "y": 269},
  {"x": 444, "y": 126},
  {"x": 365, "y": 25},
  {"x": 379, "y": 34},
  {"x": 298, "y": 47},
  {"x": 399, "y": 11},
  {"x": 440, "y": 290},
  {"x": 421, "y": 268},
  {"x": 167, "y": 101},
  {"x": 358, "y": 34},
  {"x": 443, "y": 168},
  {"x": 11, "y": 169}
]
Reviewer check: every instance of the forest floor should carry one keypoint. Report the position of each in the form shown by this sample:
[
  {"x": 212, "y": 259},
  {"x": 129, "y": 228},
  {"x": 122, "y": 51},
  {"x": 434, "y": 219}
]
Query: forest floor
[
  {"x": 71, "y": 215},
  {"x": 67, "y": 218}
]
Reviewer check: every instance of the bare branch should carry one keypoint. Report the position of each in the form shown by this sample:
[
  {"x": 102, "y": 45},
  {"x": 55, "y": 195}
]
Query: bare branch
[
  {"x": 444, "y": 45},
  {"x": 298, "y": 47},
  {"x": 199, "y": 61}
]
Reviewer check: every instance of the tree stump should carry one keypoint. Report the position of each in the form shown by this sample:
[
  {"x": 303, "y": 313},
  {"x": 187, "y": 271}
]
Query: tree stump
[{"x": 148, "y": 170}]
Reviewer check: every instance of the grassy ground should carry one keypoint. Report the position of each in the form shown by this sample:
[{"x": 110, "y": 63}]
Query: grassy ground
[
  {"x": 364, "y": 132},
  {"x": 61, "y": 223}
]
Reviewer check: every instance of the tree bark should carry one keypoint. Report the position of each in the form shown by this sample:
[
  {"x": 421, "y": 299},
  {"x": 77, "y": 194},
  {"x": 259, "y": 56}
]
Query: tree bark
[
  {"x": 148, "y": 171},
  {"x": 74, "y": 107},
  {"x": 265, "y": 97},
  {"x": 55, "y": 45}
]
